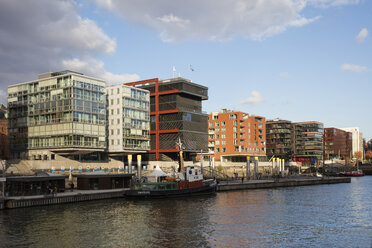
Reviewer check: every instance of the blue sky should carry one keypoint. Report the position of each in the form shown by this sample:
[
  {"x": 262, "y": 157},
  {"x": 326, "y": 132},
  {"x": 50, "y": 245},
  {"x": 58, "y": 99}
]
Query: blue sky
[{"x": 293, "y": 59}]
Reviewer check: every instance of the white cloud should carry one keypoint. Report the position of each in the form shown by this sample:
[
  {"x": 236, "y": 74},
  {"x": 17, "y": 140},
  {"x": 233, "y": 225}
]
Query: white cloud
[
  {"x": 254, "y": 99},
  {"x": 355, "y": 68},
  {"x": 362, "y": 35},
  {"x": 95, "y": 68},
  {"x": 210, "y": 19},
  {"x": 41, "y": 35},
  {"x": 284, "y": 74},
  {"x": 332, "y": 3},
  {"x": 217, "y": 20}
]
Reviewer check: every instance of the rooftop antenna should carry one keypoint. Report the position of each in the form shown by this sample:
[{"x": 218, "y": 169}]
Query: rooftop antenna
[{"x": 174, "y": 71}]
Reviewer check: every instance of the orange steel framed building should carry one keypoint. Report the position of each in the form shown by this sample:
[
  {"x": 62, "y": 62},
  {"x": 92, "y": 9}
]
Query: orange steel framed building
[
  {"x": 175, "y": 113},
  {"x": 337, "y": 144},
  {"x": 234, "y": 135}
]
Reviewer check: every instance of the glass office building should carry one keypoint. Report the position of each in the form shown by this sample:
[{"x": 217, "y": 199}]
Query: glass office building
[{"x": 62, "y": 112}]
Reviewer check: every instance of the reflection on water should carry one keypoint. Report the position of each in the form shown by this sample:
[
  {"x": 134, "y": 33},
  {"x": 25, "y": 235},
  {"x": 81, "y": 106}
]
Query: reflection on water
[{"x": 336, "y": 215}]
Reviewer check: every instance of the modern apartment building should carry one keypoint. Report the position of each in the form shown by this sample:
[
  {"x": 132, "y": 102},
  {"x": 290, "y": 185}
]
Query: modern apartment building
[
  {"x": 280, "y": 139},
  {"x": 310, "y": 150},
  {"x": 61, "y": 113},
  {"x": 302, "y": 141},
  {"x": 128, "y": 123},
  {"x": 176, "y": 113},
  {"x": 234, "y": 135},
  {"x": 337, "y": 144},
  {"x": 357, "y": 144}
]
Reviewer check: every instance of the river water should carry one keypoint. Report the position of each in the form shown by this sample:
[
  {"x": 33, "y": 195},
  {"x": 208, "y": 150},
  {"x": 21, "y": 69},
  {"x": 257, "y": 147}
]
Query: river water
[{"x": 338, "y": 215}]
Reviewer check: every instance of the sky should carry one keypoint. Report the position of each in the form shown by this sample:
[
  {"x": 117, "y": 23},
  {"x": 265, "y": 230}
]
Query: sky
[{"x": 299, "y": 60}]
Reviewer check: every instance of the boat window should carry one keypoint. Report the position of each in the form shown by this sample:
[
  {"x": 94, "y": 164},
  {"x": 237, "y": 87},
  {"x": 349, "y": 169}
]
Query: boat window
[
  {"x": 148, "y": 187},
  {"x": 161, "y": 187}
]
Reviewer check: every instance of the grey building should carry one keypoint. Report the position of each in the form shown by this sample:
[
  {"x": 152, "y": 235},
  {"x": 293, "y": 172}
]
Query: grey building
[{"x": 61, "y": 113}]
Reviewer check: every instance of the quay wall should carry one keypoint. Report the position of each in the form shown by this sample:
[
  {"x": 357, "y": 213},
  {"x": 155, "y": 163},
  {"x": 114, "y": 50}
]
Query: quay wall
[
  {"x": 20, "y": 202},
  {"x": 261, "y": 184}
]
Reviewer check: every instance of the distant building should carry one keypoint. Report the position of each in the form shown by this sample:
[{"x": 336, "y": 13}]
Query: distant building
[
  {"x": 337, "y": 144},
  {"x": 4, "y": 141},
  {"x": 302, "y": 141},
  {"x": 357, "y": 144},
  {"x": 176, "y": 112},
  {"x": 233, "y": 135},
  {"x": 279, "y": 139},
  {"x": 61, "y": 113},
  {"x": 310, "y": 150},
  {"x": 128, "y": 122}
]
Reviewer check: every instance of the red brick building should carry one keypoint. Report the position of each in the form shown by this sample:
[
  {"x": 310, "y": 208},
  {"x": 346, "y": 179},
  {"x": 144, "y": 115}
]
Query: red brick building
[
  {"x": 235, "y": 135},
  {"x": 337, "y": 144},
  {"x": 4, "y": 143}
]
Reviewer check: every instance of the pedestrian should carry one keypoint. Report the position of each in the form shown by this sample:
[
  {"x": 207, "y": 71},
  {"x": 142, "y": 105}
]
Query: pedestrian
[{"x": 242, "y": 179}]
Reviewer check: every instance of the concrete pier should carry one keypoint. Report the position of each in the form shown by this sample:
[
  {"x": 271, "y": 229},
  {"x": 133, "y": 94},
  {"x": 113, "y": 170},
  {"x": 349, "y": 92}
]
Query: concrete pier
[
  {"x": 60, "y": 198},
  {"x": 282, "y": 182}
]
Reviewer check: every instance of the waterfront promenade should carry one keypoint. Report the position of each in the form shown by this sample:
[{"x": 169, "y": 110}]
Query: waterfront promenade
[{"x": 90, "y": 195}]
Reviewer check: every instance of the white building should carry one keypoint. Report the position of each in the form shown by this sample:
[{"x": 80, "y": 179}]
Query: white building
[
  {"x": 357, "y": 144},
  {"x": 128, "y": 125}
]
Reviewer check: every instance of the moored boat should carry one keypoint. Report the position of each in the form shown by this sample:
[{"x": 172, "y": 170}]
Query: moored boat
[
  {"x": 356, "y": 173},
  {"x": 188, "y": 181}
]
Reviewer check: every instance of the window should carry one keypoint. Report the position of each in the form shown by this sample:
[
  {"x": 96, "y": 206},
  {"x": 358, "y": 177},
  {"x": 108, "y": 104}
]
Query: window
[
  {"x": 223, "y": 149},
  {"x": 118, "y": 142},
  {"x": 112, "y": 91},
  {"x": 215, "y": 117},
  {"x": 235, "y": 142},
  {"x": 235, "y": 129},
  {"x": 112, "y": 112},
  {"x": 118, "y": 121},
  {"x": 236, "y": 148},
  {"x": 223, "y": 129},
  {"x": 217, "y": 149},
  {"x": 232, "y": 116},
  {"x": 235, "y": 135},
  {"x": 217, "y": 130},
  {"x": 223, "y": 136},
  {"x": 118, "y": 101},
  {"x": 112, "y": 121},
  {"x": 118, "y": 131},
  {"x": 118, "y": 90},
  {"x": 223, "y": 123},
  {"x": 217, "y": 124},
  {"x": 217, "y": 142},
  {"x": 112, "y": 101},
  {"x": 223, "y": 142},
  {"x": 210, "y": 124},
  {"x": 112, "y": 142},
  {"x": 217, "y": 136},
  {"x": 118, "y": 111},
  {"x": 235, "y": 123},
  {"x": 112, "y": 131}
]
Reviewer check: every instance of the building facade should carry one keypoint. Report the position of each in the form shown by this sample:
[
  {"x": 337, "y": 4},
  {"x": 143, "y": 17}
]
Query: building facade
[
  {"x": 357, "y": 144},
  {"x": 310, "y": 148},
  {"x": 61, "y": 113},
  {"x": 4, "y": 141},
  {"x": 234, "y": 135},
  {"x": 279, "y": 139},
  {"x": 128, "y": 120},
  {"x": 176, "y": 113},
  {"x": 300, "y": 142},
  {"x": 337, "y": 144}
]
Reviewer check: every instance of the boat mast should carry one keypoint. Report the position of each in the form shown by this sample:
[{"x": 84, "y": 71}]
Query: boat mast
[{"x": 180, "y": 147}]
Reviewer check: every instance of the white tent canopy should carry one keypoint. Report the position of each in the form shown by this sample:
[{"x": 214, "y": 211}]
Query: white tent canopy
[{"x": 155, "y": 174}]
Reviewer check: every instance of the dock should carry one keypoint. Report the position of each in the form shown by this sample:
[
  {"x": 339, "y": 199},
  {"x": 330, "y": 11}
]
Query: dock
[
  {"x": 279, "y": 182},
  {"x": 60, "y": 198},
  {"x": 90, "y": 195}
]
